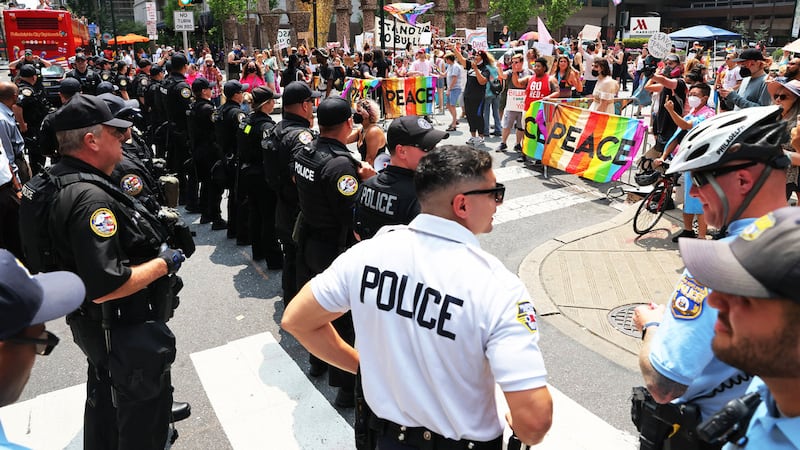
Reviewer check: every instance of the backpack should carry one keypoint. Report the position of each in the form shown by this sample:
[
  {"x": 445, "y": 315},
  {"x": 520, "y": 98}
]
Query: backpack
[{"x": 496, "y": 86}]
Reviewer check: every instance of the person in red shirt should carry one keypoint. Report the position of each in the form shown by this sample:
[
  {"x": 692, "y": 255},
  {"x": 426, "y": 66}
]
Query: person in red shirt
[{"x": 538, "y": 86}]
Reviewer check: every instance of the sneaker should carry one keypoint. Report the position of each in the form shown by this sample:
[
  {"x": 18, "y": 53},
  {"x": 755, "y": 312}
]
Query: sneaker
[
  {"x": 478, "y": 141},
  {"x": 522, "y": 158},
  {"x": 684, "y": 234},
  {"x": 518, "y": 148},
  {"x": 502, "y": 148},
  {"x": 471, "y": 140}
]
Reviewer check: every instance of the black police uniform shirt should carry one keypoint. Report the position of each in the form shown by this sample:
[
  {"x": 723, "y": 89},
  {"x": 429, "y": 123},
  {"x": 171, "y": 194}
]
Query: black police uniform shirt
[
  {"x": 177, "y": 101},
  {"x": 292, "y": 134},
  {"x": 388, "y": 198},
  {"x": 38, "y": 65},
  {"x": 202, "y": 132},
  {"x": 253, "y": 131},
  {"x": 108, "y": 75},
  {"x": 152, "y": 105},
  {"x": 122, "y": 82},
  {"x": 133, "y": 178},
  {"x": 34, "y": 104},
  {"x": 327, "y": 186},
  {"x": 227, "y": 121},
  {"x": 94, "y": 235},
  {"x": 139, "y": 86},
  {"x": 89, "y": 80}
]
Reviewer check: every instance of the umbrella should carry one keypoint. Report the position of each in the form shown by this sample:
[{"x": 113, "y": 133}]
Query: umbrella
[
  {"x": 129, "y": 38},
  {"x": 793, "y": 47},
  {"x": 529, "y": 36},
  {"x": 704, "y": 33}
]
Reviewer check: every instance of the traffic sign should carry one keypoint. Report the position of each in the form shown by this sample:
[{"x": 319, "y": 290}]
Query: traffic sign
[{"x": 184, "y": 21}]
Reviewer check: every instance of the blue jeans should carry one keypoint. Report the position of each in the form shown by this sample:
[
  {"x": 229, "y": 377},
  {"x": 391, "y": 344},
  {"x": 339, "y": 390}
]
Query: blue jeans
[{"x": 492, "y": 103}]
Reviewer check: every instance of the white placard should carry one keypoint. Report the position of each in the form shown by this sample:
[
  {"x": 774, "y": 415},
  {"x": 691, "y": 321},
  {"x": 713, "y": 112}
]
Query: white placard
[
  {"x": 645, "y": 26},
  {"x": 515, "y": 100},
  {"x": 152, "y": 31},
  {"x": 405, "y": 33},
  {"x": 545, "y": 49},
  {"x": 284, "y": 38},
  {"x": 659, "y": 45},
  {"x": 150, "y": 12},
  {"x": 184, "y": 20},
  {"x": 590, "y": 32},
  {"x": 477, "y": 38}
]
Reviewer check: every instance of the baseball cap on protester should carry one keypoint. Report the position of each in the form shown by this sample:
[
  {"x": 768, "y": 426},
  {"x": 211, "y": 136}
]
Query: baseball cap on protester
[
  {"x": 69, "y": 86},
  {"x": 413, "y": 130},
  {"x": 261, "y": 95},
  {"x": 762, "y": 262},
  {"x": 28, "y": 51},
  {"x": 298, "y": 92},
  {"x": 27, "y": 299},
  {"x": 84, "y": 111},
  {"x": 672, "y": 57},
  {"x": 751, "y": 54},
  {"x": 333, "y": 111},
  {"x": 27, "y": 70},
  {"x": 233, "y": 87}
]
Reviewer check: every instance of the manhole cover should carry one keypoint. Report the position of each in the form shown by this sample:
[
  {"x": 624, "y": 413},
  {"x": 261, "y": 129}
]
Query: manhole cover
[{"x": 621, "y": 318}]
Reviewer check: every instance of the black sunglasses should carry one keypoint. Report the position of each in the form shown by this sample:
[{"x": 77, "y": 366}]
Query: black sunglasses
[
  {"x": 45, "y": 343},
  {"x": 499, "y": 192},
  {"x": 701, "y": 178},
  {"x": 780, "y": 96}
]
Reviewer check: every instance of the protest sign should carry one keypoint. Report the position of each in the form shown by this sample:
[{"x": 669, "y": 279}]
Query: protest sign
[
  {"x": 398, "y": 34},
  {"x": 593, "y": 145},
  {"x": 515, "y": 101}
]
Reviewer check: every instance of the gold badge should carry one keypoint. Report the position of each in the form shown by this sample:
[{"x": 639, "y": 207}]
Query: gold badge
[
  {"x": 526, "y": 315},
  {"x": 305, "y": 137},
  {"x": 103, "y": 223},
  {"x": 347, "y": 185},
  {"x": 687, "y": 302},
  {"x": 186, "y": 92},
  {"x": 131, "y": 184}
]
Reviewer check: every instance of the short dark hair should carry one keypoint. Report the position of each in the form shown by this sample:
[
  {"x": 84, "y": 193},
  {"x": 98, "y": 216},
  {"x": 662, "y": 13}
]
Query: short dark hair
[
  {"x": 603, "y": 67},
  {"x": 704, "y": 88},
  {"x": 590, "y": 46},
  {"x": 541, "y": 61},
  {"x": 449, "y": 165}
]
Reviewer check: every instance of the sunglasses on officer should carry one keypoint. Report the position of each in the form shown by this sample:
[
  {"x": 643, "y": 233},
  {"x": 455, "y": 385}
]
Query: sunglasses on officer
[
  {"x": 701, "y": 178},
  {"x": 498, "y": 191},
  {"x": 45, "y": 343}
]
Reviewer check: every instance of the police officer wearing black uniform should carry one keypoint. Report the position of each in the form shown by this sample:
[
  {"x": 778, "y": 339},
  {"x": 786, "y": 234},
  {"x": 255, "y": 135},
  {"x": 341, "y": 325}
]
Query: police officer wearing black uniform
[
  {"x": 104, "y": 68},
  {"x": 206, "y": 153},
  {"x": 327, "y": 177},
  {"x": 140, "y": 81},
  {"x": 29, "y": 58},
  {"x": 48, "y": 143},
  {"x": 119, "y": 250},
  {"x": 121, "y": 80},
  {"x": 35, "y": 106},
  {"x": 390, "y": 198},
  {"x": 177, "y": 99},
  {"x": 153, "y": 111},
  {"x": 286, "y": 139},
  {"x": 89, "y": 78},
  {"x": 227, "y": 122},
  {"x": 260, "y": 199}
]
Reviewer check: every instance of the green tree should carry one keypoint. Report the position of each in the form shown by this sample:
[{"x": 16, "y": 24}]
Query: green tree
[
  {"x": 515, "y": 13},
  {"x": 555, "y": 13},
  {"x": 225, "y": 9}
]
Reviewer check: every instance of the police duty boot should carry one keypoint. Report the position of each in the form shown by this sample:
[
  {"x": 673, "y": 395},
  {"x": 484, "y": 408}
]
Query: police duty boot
[
  {"x": 345, "y": 398},
  {"x": 219, "y": 224},
  {"x": 180, "y": 411}
]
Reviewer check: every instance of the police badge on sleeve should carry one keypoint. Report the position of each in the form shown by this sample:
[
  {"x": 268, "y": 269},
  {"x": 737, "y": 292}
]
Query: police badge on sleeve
[
  {"x": 526, "y": 315},
  {"x": 687, "y": 302}
]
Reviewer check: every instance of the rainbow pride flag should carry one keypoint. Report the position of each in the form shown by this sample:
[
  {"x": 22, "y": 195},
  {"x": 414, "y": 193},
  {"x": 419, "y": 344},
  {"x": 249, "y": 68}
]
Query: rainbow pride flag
[
  {"x": 413, "y": 96},
  {"x": 590, "y": 144}
]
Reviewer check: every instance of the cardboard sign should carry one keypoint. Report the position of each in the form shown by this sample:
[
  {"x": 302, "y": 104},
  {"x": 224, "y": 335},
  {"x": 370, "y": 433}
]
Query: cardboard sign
[
  {"x": 397, "y": 34},
  {"x": 659, "y": 45},
  {"x": 516, "y": 100}
]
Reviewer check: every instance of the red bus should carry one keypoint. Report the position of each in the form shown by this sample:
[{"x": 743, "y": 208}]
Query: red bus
[{"x": 51, "y": 34}]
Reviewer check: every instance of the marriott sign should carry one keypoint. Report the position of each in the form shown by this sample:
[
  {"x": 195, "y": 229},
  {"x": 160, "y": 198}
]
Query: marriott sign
[{"x": 644, "y": 26}]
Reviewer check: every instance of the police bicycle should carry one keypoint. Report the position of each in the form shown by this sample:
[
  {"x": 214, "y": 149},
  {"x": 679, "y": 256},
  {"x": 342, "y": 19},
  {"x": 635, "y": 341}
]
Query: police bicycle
[{"x": 658, "y": 200}]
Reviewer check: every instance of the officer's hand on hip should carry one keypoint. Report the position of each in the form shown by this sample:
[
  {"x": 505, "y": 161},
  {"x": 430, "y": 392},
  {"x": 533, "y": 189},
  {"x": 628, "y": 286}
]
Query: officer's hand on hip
[{"x": 173, "y": 257}]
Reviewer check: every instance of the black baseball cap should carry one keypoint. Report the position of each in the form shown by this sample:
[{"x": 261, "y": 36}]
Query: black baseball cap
[
  {"x": 84, "y": 111},
  {"x": 69, "y": 86},
  {"x": 80, "y": 56},
  {"x": 27, "y": 70},
  {"x": 178, "y": 61},
  {"x": 28, "y": 51},
  {"x": 144, "y": 62},
  {"x": 116, "y": 103},
  {"x": 201, "y": 83},
  {"x": 155, "y": 69},
  {"x": 413, "y": 130},
  {"x": 233, "y": 87},
  {"x": 106, "y": 86},
  {"x": 298, "y": 92},
  {"x": 333, "y": 111},
  {"x": 763, "y": 261},
  {"x": 27, "y": 299},
  {"x": 751, "y": 54},
  {"x": 261, "y": 95}
]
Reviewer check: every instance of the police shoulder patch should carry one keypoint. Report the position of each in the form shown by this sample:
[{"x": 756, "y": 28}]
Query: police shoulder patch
[
  {"x": 144, "y": 82},
  {"x": 347, "y": 185},
  {"x": 27, "y": 92},
  {"x": 240, "y": 117},
  {"x": 103, "y": 223},
  {"x": 131, "y": 184},
  {"x": 123, "y": 82},
  {"x": 186, "y": 92},
  {"x": 305, "y": 137},
  {"x": 687, "y": 302},
  {"x": 104, "y": 77},
  {"x": 526, "y": 315}
]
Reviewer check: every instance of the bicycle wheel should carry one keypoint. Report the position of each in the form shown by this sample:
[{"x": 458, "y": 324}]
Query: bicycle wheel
[{"x": 650, "y": 210}]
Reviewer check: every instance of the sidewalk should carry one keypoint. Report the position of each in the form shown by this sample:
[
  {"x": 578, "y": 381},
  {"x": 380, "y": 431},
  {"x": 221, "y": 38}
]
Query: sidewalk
[{"x": 588, "y": 282}]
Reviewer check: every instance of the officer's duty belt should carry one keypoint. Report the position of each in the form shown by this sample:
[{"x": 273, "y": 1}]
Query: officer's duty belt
[
  {"x": 134, "y": 309},
  {"x": 424, "y": 439}
]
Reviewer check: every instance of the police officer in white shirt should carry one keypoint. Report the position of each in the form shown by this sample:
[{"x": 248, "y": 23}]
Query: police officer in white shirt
[{"x": 433, "y": 336}]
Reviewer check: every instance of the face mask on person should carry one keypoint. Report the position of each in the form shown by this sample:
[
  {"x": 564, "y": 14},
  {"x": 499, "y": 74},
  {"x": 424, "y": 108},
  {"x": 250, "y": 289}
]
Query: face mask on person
[
  {"x": 251, "y": 70},
  {"x": 694, "y": 101},
  {"x": 595, "y": 73},
  {"x": 744, "y": 72}
]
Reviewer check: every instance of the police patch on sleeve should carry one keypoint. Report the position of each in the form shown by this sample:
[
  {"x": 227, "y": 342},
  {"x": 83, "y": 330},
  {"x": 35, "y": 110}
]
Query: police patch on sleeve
[
  {"x": 103, "y": 223},
  {"x": 347, "y": 185},
  {"x": 687, "y": 302},
  {"x": 305, "y": 137},
  {"x": 144, "y": 82},
  {"x": 131, "y": 184},
  {"x": 240, "y": 117},
  {"x": 186, "y": 92},
  {"x": 123, "y": 83},
  {"x": 527, "y": 316},
  {"x": 27, "y": 92}
]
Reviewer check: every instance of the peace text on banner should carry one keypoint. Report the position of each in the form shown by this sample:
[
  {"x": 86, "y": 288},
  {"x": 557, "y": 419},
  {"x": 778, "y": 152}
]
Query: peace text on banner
[{"x": 409, "y": 96}]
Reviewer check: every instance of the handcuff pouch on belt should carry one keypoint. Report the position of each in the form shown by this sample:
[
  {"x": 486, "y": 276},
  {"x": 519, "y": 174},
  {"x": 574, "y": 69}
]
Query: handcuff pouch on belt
[{"x": 667, "y": 426}]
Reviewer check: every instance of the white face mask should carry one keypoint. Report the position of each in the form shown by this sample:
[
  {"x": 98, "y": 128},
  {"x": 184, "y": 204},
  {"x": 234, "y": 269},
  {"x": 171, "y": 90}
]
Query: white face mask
[{"x": 694, "y": 101}]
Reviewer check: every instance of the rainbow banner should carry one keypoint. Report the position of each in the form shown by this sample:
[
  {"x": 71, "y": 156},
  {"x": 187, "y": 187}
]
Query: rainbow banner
[
  {"x": 409, "y": 96},
  {"x": 357, "y": 88},
  {"x": 590, "y": 144}
]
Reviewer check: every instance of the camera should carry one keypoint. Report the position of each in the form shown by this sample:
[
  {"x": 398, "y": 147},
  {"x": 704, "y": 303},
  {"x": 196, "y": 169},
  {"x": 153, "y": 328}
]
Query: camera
[{"x": 649, "y": 69}]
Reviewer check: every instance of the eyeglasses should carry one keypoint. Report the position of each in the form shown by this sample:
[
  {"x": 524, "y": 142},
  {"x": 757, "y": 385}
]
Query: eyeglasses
[
  {"x": 780, "y": 96},
  {"x": 701, "y": 178},
  {"x": 499, "y": 192},
  {"x": 45, "y": 343}
]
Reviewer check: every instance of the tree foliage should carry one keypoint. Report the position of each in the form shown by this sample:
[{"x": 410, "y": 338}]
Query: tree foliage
[
  {"x": 225, "y": 9},
  {"x": 555, "y": 13},
  {"x": 517, "y": 13}
]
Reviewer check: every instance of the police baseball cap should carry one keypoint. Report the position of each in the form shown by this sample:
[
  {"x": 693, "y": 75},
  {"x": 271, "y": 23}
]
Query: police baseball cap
[
  {"x": 106, "y": 86},
  {"x": 27, "y": 70},
  {"x": 298, "y": 92},
  {"x": 80, "y": 57},
  {"x": 101, "y": 60},
  {"x": 144, "y": 62},
  {"x": 233, "y": 87},
  {"x": 178, "y": 61},
  {"x": 261, "y": 95},
  {"x": 413, "y": 130},
  {"x": 333, "y": 111},
  {"x": 155, "y": 70},
  {"x": 751, "y": 54},
  {"x": 69, "y": 86},
  {"x": 84, "y": 111},
  {"x": 116, "y": 104},
  {"x": 762, "y": 262},
  {"x": 201, "y": 83},
  {"x": 27, "y": 299}
]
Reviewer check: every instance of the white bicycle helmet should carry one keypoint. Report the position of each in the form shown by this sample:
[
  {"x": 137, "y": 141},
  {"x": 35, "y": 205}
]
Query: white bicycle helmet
[{"x": 754, "y": 134}]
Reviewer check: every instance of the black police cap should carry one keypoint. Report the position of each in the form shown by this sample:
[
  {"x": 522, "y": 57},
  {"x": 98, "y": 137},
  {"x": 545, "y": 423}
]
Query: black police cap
[
  {"x": 84, "y": 111},
  {"x": 27, "y": 70}
]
